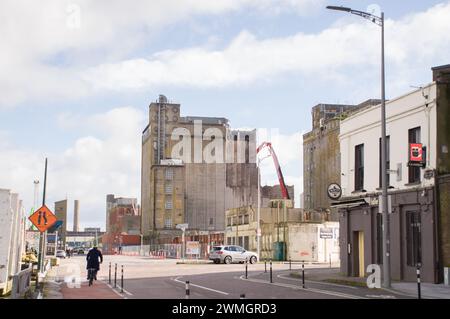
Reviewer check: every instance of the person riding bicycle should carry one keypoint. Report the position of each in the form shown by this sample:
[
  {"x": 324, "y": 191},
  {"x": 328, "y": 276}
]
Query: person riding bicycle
[{"x": 93, "y": 261}]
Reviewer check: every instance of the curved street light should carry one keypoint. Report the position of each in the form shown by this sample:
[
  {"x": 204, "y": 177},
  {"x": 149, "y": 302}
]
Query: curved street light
[{"x": 384, "y": 203}]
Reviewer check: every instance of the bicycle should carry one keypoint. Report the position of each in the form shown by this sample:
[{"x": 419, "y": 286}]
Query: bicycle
[{"x": 92, "y": 273}]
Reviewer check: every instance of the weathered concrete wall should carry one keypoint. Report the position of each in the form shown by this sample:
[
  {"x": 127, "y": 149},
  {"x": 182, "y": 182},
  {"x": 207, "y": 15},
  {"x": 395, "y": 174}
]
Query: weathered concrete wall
[
  {"x": 61, "y": 214},
  {"x": 11, "y": 236},
  {"x": 443, "y": 126},
  {"x": 321, "y": 164},
  {"x": 304, "y": 242}
]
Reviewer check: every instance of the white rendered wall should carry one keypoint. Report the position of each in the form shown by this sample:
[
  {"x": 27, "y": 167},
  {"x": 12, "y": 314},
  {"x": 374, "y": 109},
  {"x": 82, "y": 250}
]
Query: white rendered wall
[{"x": 403, "y": 113}]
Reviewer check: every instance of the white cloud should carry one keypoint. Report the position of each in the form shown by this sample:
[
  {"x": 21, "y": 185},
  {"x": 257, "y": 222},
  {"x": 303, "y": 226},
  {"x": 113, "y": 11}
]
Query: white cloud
[
  {"x": 88, "y": 170},
  {"x": 413, "y": 44},
  {"x": 46, "y": 44}
]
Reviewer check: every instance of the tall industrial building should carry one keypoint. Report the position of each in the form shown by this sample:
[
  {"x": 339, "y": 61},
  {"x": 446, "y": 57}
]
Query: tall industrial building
[
  {"x": 321, "y": 155},
  {"x": 76, "y": 211},
  {"x": 61, "y": 215},
  {"x": 193, "y": 170}
]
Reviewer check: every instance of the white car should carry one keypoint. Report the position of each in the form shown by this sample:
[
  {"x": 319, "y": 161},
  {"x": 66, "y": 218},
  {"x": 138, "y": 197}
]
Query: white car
[
  {"x": 61, "y": 254},
  {"x": 229, "y": 254}
]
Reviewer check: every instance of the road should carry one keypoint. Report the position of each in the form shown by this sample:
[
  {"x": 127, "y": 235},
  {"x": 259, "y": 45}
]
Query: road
[{"x": 146, "y": 278}]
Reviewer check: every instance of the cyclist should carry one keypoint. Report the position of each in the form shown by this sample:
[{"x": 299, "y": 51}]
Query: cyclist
[{"x": 94, "y": 258}]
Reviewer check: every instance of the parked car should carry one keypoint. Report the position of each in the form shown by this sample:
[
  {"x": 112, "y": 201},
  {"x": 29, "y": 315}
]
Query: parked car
[
  {"x": 229, "y": 254},
  {"x": 80, "y": 252},
  {"x": 61, "y": 254}
]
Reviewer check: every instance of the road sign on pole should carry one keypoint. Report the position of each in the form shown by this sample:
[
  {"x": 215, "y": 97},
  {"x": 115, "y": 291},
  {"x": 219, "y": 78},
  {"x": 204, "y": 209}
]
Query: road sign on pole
[{"x": 43, "y": 218}]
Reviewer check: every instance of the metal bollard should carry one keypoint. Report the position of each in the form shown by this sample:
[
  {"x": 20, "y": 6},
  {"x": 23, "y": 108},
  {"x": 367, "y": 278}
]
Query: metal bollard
[
  {"x": 187, "y": 290},
  {"x": 109, "y": 278},
  {"x": 115, "y": 276},
  {"x": 290, "y": 264},
  {"x": 246, "y": 269},
  {"x": 242, "y": 296},
  {"x": 121, "y": 282},
  {"x": 303, "y": 274},
  {"x": 265, "y": 265},
  {"x": 419, "y": 294},
  {"x": 271, "y": 281}
]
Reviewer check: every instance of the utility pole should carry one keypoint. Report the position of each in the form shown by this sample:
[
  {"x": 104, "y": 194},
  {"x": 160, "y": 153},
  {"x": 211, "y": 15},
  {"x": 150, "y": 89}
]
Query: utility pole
[
  {"x": 43, "y": 236},
  {"x": 386, "y": 222},
  {"x": 379, "y": 20}
]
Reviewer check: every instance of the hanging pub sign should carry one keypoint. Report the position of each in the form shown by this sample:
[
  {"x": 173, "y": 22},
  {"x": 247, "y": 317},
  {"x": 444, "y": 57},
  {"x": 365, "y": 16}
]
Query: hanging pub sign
[
  {"x": 416, "y": 155},
  {"x": 334, "y": 191}
]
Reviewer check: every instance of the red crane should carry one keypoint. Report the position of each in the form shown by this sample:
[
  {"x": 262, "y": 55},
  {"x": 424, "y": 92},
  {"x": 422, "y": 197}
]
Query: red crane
[{"x": 284, "y": 191}]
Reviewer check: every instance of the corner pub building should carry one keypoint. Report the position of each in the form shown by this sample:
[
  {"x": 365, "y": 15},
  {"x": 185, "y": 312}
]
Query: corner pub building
[{"x": 419, "y": 196}]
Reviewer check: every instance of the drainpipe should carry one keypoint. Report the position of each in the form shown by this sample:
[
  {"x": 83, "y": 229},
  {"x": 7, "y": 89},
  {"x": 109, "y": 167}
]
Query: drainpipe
[{"x": 437, "y": 246}]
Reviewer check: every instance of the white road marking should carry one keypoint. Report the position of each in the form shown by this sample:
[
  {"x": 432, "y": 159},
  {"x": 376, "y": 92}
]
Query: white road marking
[
  {"x": 117, "y": 292},
  {"x": 381, "y": 296},
  {"x": 320, "y": 291},
  {"x": 316, "y": 282},
  {"x": 201, "y": 287}
]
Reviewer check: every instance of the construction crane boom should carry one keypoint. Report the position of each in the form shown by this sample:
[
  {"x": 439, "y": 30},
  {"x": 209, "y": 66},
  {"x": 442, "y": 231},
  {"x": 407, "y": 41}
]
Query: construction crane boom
[{"x": 284, "y": 191}]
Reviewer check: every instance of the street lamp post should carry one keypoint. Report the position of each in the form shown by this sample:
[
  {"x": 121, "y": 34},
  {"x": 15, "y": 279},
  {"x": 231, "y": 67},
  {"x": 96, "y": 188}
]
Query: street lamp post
[{"x": 384, "y": 202}]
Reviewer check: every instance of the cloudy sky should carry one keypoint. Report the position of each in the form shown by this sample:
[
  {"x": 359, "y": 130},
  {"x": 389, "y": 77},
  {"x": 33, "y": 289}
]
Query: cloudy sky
[{"x": 76, "y": 78}]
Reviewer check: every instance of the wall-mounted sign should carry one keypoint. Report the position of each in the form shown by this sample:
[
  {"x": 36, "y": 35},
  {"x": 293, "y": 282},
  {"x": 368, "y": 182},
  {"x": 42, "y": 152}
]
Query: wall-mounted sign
[
  {"x": 334, "y": 191},
  {"x": 192, "y": 248},
  {"x": 326, "y": 233},
  {"x": 416, "y": 155},
  {"x": 415, "y": 152}
]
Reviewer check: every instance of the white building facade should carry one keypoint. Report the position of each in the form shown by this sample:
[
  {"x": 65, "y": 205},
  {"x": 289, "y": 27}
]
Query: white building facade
[
  {"x": 418, "y": 190},
  {"x": 412, "y": 112}
]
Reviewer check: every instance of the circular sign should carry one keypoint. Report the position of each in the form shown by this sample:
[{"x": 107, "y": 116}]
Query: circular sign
[{"x": 334, "y": 191}]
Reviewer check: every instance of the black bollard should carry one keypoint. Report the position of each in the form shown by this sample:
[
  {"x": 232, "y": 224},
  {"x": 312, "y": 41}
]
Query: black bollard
[
  {"x": 121, "y": 282},
  {"x": 290, "y": 264},
  {"x": 271, "y": 281},
  {"x": 265, "y": 265},
  {"x": 419, "y": 294},
  {"x": 246, "y": 269},
  {"x": 303, "y": 274},
  {"x": 115, "y": 276},
  {"x": 109, "y": 279},
  {"x": 187, "y": 290}
]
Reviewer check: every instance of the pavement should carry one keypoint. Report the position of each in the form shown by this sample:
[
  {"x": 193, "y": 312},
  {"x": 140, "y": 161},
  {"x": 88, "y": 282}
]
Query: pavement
[
  {"x": 68, "y": 281},
  {"x": 431, "y": 291},
  {"x": 146, "y": 278},
  {"x": 407, "y": 289}
]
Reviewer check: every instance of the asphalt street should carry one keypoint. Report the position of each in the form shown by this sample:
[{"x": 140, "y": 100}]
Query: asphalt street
[{"x": 146, "y": 278}]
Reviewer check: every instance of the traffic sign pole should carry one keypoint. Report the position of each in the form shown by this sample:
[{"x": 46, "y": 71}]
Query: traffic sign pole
[{"x": 41, "y": 237}]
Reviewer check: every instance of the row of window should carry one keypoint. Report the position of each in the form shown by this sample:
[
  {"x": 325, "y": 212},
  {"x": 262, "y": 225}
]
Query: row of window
[
  {"x": 238, "y": 220},
  {"x": 413, "y": 172}
]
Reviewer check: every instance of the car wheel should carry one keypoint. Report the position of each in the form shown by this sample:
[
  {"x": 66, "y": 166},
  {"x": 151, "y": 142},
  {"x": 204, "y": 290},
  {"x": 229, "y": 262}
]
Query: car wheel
[
  {"x": 227, "y": 260},
  {"x": 253, "y": 259}
]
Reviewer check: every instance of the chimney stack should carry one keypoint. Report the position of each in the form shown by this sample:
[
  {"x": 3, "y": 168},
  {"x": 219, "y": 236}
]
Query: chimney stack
[{"x": 75, "y": 215}]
